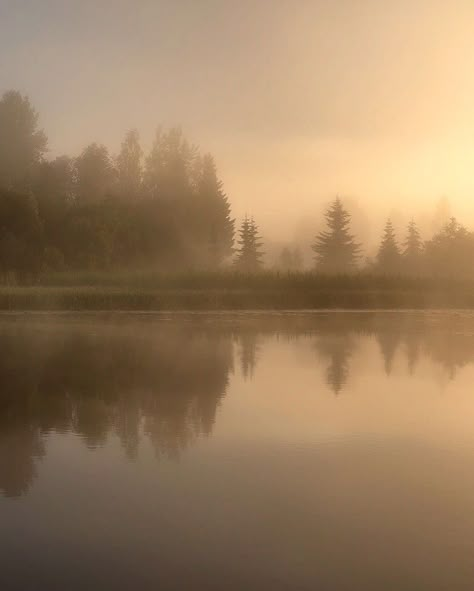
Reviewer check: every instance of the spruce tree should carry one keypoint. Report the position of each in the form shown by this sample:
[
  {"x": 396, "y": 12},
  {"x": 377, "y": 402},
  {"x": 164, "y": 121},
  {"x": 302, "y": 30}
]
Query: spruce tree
[
  {"x": 213, "y": 214},
  {"x": 249, "y": 253},
  {"x": 335, "y": 249},
  {"x": 388, "y": 256},
  {"x": 412, "y": 250}
]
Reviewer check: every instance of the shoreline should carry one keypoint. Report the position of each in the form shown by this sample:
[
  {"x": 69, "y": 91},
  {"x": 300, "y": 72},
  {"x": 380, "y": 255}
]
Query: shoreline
[{"x": 120, "y": 299}]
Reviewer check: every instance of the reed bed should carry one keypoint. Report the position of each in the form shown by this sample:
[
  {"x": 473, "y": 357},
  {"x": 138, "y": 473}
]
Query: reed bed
[{"x": 151, "y": 291}]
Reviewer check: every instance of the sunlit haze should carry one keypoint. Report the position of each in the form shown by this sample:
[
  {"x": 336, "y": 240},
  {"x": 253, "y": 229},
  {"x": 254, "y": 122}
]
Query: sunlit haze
[{"x": 298, "y": 101}]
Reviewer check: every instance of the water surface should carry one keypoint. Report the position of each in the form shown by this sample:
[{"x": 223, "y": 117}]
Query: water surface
[{"x": 245, "y": 451}]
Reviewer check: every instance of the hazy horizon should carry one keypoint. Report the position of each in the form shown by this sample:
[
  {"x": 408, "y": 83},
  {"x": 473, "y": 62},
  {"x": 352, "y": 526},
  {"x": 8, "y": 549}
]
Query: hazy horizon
[{"x": 298, "y": 104}]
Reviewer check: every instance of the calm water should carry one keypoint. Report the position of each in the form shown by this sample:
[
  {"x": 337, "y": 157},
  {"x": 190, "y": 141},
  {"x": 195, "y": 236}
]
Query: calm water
[{"x": 325, "y": 451}]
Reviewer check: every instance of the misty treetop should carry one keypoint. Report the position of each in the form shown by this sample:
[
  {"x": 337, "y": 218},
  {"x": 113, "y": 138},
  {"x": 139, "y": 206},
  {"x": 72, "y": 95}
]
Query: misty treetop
[
  {"x": 389, "y": 256},
  {"x": 249, "y": 252},
  {"x": 22, "y": 144},
  {"x": 335, "y": 249},
  {"x": 412, "y": 253},
  {"x": 167, "y": 210}
]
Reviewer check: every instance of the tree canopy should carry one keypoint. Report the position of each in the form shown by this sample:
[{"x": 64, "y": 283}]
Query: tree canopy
[
  {"x": 249, "y": 253},
  {"x": 335, "y": 249},
  {"x": 388, "y": 256},
  {"x": 22, "y": 143},
  {"x": 168, "y": 210},
  {"x": 95, "y": 211}
]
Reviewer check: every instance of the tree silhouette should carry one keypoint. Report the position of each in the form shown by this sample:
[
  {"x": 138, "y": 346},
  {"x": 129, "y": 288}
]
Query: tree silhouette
[
  {"x": 216, "y": 227},
  {"x": 89, "y": 210},
  {"x": 412, "y": 341},
  {"x": 335, "y": 250},
  {"x": 413, "y": 250},
  {"x": 54, "y": 189},
  {"x": 95, "y": 174},
  {"x": 388, "y": 341},
  {"x": 168, "y": 212},
  {"x": 21, "y": 447},
  {"x": 388, "y": 256},
  {"x": 290, "y": 260},
  {"x": 169, "y": 165},
  {"x": 338, "y": 348},
  {"x": 21, "y": 235},
  {"x": 450, "y": 252},
  {"x": 128, "y": 383},
  {"x": 22, "y": 144},
  {"x": 129, "y": 166},
  {"x": 249, "y": 349},
  {"x": 249, "y": 252}
]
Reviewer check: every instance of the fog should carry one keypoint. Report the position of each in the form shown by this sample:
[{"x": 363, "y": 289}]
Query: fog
[{"x": 298, "y": 102}]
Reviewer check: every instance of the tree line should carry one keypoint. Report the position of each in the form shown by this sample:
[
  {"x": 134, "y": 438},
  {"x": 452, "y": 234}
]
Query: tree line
[
  {"x": 447, "y": 254},
  {"x": 166, "y": 209},
  {"x": 95, "y": 211}
]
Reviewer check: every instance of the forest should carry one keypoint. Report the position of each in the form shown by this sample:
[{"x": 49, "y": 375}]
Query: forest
[{"x": 167, "y": 211}]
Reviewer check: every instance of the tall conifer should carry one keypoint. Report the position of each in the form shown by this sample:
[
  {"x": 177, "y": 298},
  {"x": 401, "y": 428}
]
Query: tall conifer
[
  {"x": 335, "y": 249},
  {"x": 249, "y": 252},
  {"x": 388, "y": 256}
]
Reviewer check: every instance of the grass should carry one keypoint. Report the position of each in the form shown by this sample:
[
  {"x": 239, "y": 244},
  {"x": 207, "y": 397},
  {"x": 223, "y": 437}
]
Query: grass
[{"x": 151, "y": 291}]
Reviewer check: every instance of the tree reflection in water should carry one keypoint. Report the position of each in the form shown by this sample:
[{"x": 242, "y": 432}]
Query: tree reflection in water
[{"x": 165, "y": 380}]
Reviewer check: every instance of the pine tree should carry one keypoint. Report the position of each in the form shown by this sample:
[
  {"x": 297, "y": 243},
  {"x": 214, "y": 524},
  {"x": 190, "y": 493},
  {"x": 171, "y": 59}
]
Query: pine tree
[
  {"x": 213, "y": 214},
  {"x": 412, "y": 250},
  {"x": 335, "y": 250},
  {"x": 249, "y": 253},
  {"x": 388, "y": 256}
]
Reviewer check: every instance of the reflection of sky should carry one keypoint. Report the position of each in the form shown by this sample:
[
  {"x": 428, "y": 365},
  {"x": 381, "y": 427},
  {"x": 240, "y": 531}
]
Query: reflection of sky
[
  {"x": 292, "y": 482},
  {"x": 289, "y": 399}
]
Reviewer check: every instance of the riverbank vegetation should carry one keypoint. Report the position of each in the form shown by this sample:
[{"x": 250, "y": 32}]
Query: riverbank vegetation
[{"x": 234, "y": 291}]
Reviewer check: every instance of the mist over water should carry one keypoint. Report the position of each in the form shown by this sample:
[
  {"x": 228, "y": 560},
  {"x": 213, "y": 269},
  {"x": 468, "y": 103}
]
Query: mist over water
[
  {"x": 260, "y": 449},
  {"x": 172, "y": 173}
]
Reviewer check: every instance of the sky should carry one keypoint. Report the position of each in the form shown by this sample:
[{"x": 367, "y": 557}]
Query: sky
[{"x": 299, "y": 101}]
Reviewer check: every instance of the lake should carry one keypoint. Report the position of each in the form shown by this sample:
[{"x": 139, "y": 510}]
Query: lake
[{"x": 237, "y": 451}]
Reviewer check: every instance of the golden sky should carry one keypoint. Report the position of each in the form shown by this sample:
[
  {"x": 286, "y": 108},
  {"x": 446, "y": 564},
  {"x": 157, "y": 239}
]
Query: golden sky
[{"x": 298, "y": 100}]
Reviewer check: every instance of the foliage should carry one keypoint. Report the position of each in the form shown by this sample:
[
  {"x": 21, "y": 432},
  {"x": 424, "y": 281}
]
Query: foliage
[
  {"x": 214, "y": 227},
  {"x": 22, "y": 144},
  {"x": 290, "y": 260},
  {"x": 249, "y": 253},
  {"x": 451, "y": 251},
  {"x": 129, "y": 166},
  {"x": 167, "y": 211},
  {"x": 335, "y": 250},
  {"x": 413, "y": 250},
  {"x": 97, "y": 212},
  {"x": 20, "y": 236},
  {"x": 95, "y": 174},
  {"x": 388, "y": 256}
]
